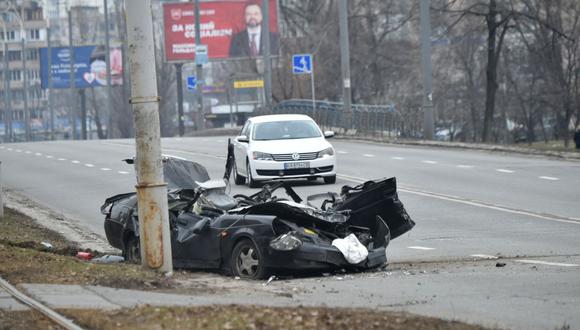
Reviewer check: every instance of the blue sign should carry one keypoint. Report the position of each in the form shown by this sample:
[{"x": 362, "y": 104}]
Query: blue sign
[
  {"x": 191, "y": 83},
  {"x": 90, "y": 69},
  {"x": 302, "y": 64}
]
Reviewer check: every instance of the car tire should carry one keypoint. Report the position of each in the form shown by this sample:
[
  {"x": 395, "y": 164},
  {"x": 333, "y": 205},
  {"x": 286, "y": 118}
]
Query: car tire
[
  {"x": 330, "y": 179},
  {"x": 238, "y": 179},
  {"x": 251, "y": 182},
  {"x": 132, "y": 251},
  {"x": 247, "y": 262}
]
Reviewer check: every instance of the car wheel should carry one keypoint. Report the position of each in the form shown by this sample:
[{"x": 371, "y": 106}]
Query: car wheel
[
  {"x": 251, "y": 182},
  {"x": 238, "y": 179},
  {"x": 330, "y": 179},
  {"x": 132, "y": 251},
  {"x": 247, "y": 261}
]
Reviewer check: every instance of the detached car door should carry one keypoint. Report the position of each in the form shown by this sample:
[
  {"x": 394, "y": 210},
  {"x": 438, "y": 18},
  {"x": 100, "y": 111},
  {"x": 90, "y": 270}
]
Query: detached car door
[{"x": 241, "y": 148}]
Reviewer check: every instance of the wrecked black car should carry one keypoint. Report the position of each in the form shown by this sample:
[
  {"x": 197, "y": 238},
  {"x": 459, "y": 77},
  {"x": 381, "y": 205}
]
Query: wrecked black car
[{"x": 264, "y": 233}]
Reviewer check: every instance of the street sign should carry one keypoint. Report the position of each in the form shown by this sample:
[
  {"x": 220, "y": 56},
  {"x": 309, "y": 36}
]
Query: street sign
[
  {"x": 201, "y": 54},
  {"x": 191, "y": 83},
  {"x": 249, "y": 84},
  {"x": 302, "y": 64}
]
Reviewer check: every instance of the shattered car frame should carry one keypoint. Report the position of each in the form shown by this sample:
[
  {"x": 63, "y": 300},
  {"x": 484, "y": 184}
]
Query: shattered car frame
[{"x": 254, "y": 236}]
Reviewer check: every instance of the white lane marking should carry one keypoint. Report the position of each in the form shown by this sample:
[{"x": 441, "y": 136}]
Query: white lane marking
[
  {"x": 9, "y": 149},
  {"x": 501, "y": 170},
  {"x": 483, "y": 256},
  {"x": 1, "y": 147},
  {"x": 38, "y": 154},
  {"x": 342, "y": 152},
  {"x": 368, "y": 155},
  {"x": 28, "y": 152},
  {"x": 75, "y": 162},
  {"x": 465, "y": 166},
  {"x": 457, "y": 199},
  {"x": 173, "y": 156},
  {"x": 398, "y": 158},
  {"x": 105, "y": 169},
  {"x": 551, "y": 178},
  {"x": 122, "y": 172},
  {"x": 538, "y": 262},
  {"x": 420, "y": 248},
  {"x": 61, "y": 159},
  {"x": 429, "y": 162},
  {"x": 89, "y": 165},
  {"x": 49, "y": 156},
  {"x": 18, "y": 150}
]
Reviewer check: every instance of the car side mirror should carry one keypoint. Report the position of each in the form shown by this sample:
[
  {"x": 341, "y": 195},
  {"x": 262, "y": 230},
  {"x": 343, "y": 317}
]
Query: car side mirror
[
  {"x": 243, "y": 139},
  {"x": 328, "y": 134},
  {"x": 201, "y": 226}
]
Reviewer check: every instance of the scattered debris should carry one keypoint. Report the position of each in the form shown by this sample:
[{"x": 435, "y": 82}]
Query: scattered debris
[
  {"x": 108, "y": 259},
  {"x": 500, "y": 264},
  {"x": 47, "y": 246},
  {"x": 84, "y": 255},
  {"x": 272, "y": 278}
]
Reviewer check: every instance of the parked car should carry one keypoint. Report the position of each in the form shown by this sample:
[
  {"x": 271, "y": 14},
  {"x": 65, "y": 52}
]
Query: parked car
[
  {"x": 257, "y": 235},
  {"x": 283, "y": 147}
]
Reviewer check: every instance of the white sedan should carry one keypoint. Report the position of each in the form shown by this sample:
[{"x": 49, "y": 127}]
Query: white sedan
[{"x": 283, "y": 147}]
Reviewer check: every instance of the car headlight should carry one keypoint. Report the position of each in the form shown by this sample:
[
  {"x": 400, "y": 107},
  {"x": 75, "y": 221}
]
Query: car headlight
[
  {"x": 256, "y": 155},
  {"x": 285, "y": 242},
  {"x": 326, "y": 153}
]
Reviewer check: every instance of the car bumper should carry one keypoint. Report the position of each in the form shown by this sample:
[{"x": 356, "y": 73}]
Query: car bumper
[
  {"x": 316, "y": 257},
  {"x": 268, "y": 170}
]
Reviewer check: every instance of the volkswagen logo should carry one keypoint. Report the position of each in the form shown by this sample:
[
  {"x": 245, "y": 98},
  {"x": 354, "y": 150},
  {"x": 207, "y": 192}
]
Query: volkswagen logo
[{"x": 295, "y": 156}]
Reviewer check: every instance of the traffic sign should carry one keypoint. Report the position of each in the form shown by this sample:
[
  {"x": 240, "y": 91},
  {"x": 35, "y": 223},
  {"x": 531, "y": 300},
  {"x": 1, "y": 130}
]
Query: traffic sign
[
  {"x": 201, "y": 56},
  {"x": 191, "y": 83},
  {"x": 302, "y": 64}
]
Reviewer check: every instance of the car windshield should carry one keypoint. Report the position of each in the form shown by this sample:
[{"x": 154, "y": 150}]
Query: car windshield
[{"x": 282, "y": 130}]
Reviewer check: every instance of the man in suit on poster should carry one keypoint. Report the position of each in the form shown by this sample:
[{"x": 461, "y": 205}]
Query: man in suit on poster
[{"x": 249, "y": 42}]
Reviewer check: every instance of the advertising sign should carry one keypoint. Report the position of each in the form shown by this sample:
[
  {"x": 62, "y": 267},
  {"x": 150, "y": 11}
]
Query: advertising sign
[
  {"x": 249, "y": 84},
  {"x": 89, "y": 66},
  {"x": 229, "y": 28}
]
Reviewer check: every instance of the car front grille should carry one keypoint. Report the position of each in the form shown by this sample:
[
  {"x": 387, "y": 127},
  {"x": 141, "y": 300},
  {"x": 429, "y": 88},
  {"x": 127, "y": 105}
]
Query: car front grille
[
  {"x": 288, "y": 157},
  {"x": 295, "y": 171}
]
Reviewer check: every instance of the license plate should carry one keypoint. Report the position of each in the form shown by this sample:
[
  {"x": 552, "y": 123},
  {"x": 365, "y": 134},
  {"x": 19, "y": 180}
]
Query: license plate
[{"x": 290, "y": 166}]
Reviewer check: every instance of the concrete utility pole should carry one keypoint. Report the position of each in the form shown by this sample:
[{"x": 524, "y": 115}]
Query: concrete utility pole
[
  {"x": 345, "y": 61},
  {"x": 428, "y": 120},
  {"x": 151, "y": 188},
  {"x": 72, "y": 76},
  {"x": 199, "y": 70},
  {"x": 266, "y": 47},
  {"x": 25, "y": 88},
  {"x": 108, "y": 102}
]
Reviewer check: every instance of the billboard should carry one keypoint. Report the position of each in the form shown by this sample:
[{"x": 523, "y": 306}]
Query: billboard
[
  {"x": 89, "y": 66},
  {"x": 230, "y": 28}
]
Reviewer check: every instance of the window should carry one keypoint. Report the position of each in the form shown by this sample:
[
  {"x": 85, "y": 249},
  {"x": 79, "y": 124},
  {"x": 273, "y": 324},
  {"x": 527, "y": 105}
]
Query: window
[
  {"x": 34, "y": 34},
  {"x": 10, "y": 35},
  {"x": 32, "y": 54},
  {"x": 33, "y": 75},
  {"x": 14, "y": 55},
  {"x": 15, "y": 75}
]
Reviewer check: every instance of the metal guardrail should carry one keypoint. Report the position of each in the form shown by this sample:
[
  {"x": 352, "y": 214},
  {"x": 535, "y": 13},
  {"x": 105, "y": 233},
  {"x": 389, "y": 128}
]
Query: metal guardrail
[{"x": 364, "y": 120}]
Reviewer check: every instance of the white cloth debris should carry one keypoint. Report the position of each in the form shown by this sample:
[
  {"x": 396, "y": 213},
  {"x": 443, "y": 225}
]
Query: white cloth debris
[{"x": 353, "y": 251}]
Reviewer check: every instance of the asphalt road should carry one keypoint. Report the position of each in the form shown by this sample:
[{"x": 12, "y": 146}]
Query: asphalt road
[{"x": 469, "y": 206}]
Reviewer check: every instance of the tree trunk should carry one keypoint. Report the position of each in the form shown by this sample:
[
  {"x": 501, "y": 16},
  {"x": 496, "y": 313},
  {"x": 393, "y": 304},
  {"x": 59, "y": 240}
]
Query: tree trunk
[{"x": 491, "y": 72}]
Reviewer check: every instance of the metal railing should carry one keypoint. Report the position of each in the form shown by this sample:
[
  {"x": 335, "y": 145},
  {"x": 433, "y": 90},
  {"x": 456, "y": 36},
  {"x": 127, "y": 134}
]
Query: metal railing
[{"x": 364, "y": 120}]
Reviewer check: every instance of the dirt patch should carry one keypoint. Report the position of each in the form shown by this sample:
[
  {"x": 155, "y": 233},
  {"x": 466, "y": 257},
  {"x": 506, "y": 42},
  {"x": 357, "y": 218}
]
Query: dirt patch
[
  {"x": 32, "y": 254},
  {"x": 254, "y": 317}
]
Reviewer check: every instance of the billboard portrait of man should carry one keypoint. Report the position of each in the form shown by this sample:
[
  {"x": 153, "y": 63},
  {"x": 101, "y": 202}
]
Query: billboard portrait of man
[{"x": 249, "y": 42}]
